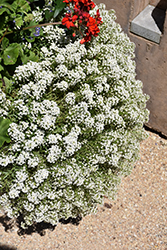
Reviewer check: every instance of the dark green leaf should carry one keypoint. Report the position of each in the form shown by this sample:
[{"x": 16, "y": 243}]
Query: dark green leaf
[
  {"x": 59, "y": 7},
  {"x": 4, "y": 125},
  {"x": 31, "y": 1},
  {"x": 48, "y": 15}
]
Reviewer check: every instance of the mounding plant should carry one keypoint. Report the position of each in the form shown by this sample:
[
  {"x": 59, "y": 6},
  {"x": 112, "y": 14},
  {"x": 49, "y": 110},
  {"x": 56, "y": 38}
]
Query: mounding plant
[{"x": 76, "y": 120}]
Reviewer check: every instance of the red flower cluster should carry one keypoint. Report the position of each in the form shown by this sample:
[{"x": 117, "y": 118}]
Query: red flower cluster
[{"x": 80, "y": 19}]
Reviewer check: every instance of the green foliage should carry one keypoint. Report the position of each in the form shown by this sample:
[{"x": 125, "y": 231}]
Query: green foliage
[
  {"x": 5, "y": 43},
  {"x": 54, "y": 11},
  {"x": 12, "y": 15},
  {"x": 32, "y": 57},
  {"x": 16, "y": 21},
  {"x": 11, "y": 53},
  {"x": 58, "y": 8},
  {"x": 4, "y": 125},
  {"x": 8, "y": 84}
]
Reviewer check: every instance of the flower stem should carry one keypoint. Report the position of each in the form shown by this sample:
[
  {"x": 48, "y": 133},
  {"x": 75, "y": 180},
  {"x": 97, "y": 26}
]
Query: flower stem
[{"x": 4, "y": 34}]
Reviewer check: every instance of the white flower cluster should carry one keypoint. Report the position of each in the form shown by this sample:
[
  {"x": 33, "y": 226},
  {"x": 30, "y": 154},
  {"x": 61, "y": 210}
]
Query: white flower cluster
[
  {"x": 77, "y": 121},
  {"x": 37, "y": 15},
  {"x": 4, "y": 103},
  {"x": 42, "y": 78}
]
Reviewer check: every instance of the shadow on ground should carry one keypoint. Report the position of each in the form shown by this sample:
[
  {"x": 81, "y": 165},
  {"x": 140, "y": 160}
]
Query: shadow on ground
[
  {"x": 6, "y": 247},
  {"x": 39, "y": 228}
]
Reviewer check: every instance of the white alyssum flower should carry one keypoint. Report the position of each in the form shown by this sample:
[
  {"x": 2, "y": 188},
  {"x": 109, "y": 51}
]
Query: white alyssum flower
[
  {"x": 6, "y": 159},
  {"x": 77, "y": 121},
  {"x": 47, "y": 122},
  {"x": 70, "y": 98},
  {"x": 15, "y": 131},
  {"x": 54, "y": 138},
  {"x": 28, "y": 206},
  {"x": 71, "y": 142},
  {"x": 63, "y": 85},
  {"x": 87, "y": 93},
  {"x": 32, "y": 197},
  {"x": 13, "y": 193},
  {"x": 20, "y": 160},
  {"x": 41, "y": 175},
  {"x": 54, "y": 154},
  {"x": 37, "y": 14},
  {"x": 33, "y": 162}
]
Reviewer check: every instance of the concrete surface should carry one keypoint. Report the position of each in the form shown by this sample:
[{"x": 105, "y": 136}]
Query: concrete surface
[{"x": 144, "y": 25}]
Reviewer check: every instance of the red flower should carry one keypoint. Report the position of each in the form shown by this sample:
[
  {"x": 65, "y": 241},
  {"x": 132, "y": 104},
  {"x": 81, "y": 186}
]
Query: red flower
[
  {"x": 68, "y": 20},
  {"x": 87, "y": 3},
  {"x": 80, "y": 17},
  {"x": 66, "y": 1},
  {"x": 98, "y": 18},
  {"x": 92, "y": 26},
  {"x": 85, "y": 16},
  {"x": 86, "y": 39}
]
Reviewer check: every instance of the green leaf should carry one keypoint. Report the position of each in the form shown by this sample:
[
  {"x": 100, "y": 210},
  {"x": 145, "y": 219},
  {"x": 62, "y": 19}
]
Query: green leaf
[
  {"x": 31, "y": 38},
  {"x": 59, "y": 7},
  {"x": 11, "y": 54},
  {"x": 14, "y": 6},
  {"x": 23, "y": 5},
  {"x": 3, "y": 1},
  {"x": 32, "y": 23},
  {"x": 1, "y": 67},
  {"x": 8, "y": 84},
  {"x": 5, "y": 4},
  {"x": 48, "y": 15},
  {"x": 5, "y": 43},
  {"x": 3, "y": 10},
  {"x": 28, "y": 18},
  {"x": 4, "y": 125},
  {"x": 19, "y": 21},
  {"x": 32, "y": 57}
]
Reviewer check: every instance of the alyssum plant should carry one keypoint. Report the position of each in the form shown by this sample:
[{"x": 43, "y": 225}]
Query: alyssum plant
[{"x": 75, "y": 120}]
